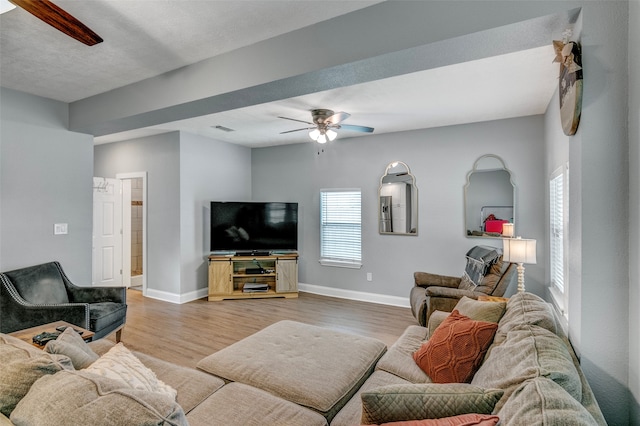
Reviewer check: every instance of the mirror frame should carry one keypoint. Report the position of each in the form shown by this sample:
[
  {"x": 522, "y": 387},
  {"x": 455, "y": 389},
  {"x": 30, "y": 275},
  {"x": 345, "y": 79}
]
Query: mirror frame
[
  {"x": 466, "y": 188},
  {"x": 414, "y": 199}
]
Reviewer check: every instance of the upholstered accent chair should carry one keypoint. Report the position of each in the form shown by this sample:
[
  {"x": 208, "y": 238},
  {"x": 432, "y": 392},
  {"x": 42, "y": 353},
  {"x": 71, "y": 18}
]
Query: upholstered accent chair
[
  {"x": 41, "y": 294},
  {"x": 484, "y": 274}
]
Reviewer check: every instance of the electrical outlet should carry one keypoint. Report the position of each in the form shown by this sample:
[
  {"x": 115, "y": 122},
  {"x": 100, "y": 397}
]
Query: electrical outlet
[
  {"x": 60, "y": 229},
  {"x": 369, "y": 276}
]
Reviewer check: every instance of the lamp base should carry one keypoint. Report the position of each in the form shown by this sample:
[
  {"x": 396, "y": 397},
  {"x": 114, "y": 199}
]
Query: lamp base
[{"x": 520, "y": 269}]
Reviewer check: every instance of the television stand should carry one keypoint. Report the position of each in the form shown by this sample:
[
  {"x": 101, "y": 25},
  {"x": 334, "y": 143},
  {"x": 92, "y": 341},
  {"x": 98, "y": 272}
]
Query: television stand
[{"x": 228, "y": 276}]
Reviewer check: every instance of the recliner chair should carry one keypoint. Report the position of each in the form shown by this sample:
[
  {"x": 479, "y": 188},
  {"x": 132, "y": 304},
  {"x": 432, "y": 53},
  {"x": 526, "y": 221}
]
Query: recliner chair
[
  {"x": 485, "y": 274},
  {"x": 41, "y": 294}
]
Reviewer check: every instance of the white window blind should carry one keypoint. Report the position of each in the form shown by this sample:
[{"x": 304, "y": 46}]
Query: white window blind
[
  {"x": 556, "y": 222},
  {"x": 340, "y": 227}
]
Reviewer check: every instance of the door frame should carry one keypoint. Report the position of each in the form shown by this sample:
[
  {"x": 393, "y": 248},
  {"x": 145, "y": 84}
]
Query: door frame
[{"x": 126, "y": 264}]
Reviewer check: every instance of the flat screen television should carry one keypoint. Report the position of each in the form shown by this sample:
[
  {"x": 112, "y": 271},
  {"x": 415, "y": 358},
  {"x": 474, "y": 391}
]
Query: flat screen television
[{"x": 254, "y": 226}]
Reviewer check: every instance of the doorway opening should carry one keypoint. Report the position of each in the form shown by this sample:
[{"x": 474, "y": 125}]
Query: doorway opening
[{"x": 134, "y": 230}]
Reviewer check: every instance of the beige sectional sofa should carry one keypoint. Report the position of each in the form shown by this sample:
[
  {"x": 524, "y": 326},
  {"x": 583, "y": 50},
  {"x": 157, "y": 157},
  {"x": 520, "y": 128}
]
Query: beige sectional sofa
[{"x": 529, "y": 375}]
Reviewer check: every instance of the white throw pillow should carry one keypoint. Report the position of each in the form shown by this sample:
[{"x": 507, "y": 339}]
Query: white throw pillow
[{"x": 120, "y": 364}]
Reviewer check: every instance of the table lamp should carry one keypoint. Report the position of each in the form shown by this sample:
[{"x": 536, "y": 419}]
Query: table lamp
[
  {"x": 520, "y": 251},
  {"x": 507, "y": 230}
]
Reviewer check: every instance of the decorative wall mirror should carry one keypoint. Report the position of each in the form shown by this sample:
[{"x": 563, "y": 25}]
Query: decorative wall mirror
[
  {"x": 489, "y": 198},
  {"x": 398, "y": 201}
]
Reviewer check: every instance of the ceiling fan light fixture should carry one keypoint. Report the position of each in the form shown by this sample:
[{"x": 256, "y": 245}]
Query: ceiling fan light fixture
[
  {"x": 314, "y": 134},
  {"x": 331, "y": 135}
]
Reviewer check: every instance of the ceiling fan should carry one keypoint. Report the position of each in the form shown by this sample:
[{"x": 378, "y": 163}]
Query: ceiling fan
[
  {"x": 325, "y": 123},
  {"x": 59, "y": 19}
]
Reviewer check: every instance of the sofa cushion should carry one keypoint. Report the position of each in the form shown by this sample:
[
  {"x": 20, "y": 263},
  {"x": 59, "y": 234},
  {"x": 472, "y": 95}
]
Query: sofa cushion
[
  {"x": 240, "y": 404},
  {"x": 193, "y": 386},
  {"x": 312, "y": 366},
  {"x": 120, "y": 364},
  {"x": 461, "y": 420},
  {"x": 543, "y": 402},
  {"x": 23, "y": 364},
  {"x": 71, "y": 344},
  {"x": 399, "y": 360},
  {"x": 425, "y": 401},
  {"x": 481, "y": 311},
  {"x": 528, "y": 352},
  {"x": 89, "y": 399},
  {"x": 40, "y": 285},
  {"x": 526, "y": 308},
  {"x": 456, "y": 349},
  {"x": 103, "y": 314}
]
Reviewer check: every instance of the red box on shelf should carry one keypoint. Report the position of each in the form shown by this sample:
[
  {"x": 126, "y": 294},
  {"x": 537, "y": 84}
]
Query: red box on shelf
[{"x": 494, "y": 225}]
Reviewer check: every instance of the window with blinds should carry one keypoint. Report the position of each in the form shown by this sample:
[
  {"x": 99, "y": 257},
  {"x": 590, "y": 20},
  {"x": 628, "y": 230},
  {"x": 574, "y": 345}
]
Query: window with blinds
[
  {"x": 340, "y": 228},
  {"x": 558, "y": 227},
  {"x": 556, "y": 222}
]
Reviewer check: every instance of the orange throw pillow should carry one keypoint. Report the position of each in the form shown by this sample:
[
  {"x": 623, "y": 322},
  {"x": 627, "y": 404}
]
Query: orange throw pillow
[
  {"x": 461, "y": 420},
  {"x": 455, "y": 351}
]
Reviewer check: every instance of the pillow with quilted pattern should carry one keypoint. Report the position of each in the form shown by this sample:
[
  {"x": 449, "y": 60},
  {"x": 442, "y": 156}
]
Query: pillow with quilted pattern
[
  {"x": 120, "y": 364},
  {"x": 461, "y": 420},
  {"x": 456, "y": 349},
  {"x": 71, "y": 344},
  {"x": 426, "y": 401}
]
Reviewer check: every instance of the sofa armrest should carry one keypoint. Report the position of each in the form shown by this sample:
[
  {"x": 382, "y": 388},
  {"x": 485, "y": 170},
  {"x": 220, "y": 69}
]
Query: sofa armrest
[
  {"x": 452, "y": 293},
  {"x": 28, "y": 316},
  {"x": 97, "y": 294},
  {"x": 426, "y": 279}
]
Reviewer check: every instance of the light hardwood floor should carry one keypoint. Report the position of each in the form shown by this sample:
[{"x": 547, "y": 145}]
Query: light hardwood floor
[{"x": 184, "y": 334}]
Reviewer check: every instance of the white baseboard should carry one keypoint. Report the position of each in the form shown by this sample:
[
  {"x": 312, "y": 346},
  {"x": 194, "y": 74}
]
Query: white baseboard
[
  {"x": 361, "y": 296},
  {"x": 136, "y": 280},
  {"x": 177, "y": 298}
]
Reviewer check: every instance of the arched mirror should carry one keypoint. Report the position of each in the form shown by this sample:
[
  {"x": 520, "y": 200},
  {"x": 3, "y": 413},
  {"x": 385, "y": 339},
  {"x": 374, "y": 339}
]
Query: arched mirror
[
  {"x": 398, "y": 201},
  {"x": 489, "y": 198}
]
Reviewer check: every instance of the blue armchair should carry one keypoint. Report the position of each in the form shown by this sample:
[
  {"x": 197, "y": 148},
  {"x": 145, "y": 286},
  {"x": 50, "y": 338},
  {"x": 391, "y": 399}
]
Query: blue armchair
[{"x": 41, "y": 294}]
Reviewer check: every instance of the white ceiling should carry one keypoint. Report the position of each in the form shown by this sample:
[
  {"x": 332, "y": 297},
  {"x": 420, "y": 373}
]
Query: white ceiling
[{"x": 146, "y": 38}]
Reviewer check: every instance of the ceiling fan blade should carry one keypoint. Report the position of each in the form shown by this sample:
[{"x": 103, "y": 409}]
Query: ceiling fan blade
[
  {"x": 337, "y": 118},
  {"x": 300, "y": 121},
  {"x": 60, "y": 20},
  {"x": 297, "y": 130},
  {"x": 357, "y": 128}
]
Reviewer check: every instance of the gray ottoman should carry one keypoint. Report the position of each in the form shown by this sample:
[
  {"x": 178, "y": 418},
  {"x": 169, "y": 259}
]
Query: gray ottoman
[{"x": 311, "y": 366}]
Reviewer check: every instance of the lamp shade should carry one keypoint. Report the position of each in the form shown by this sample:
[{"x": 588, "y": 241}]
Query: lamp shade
[
  {"x": 519, "y": 250},
  {"x": 507, "y": 230}
]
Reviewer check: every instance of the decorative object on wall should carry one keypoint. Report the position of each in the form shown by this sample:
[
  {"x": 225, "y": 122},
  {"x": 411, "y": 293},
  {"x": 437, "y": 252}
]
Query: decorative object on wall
[
  {"x": 519, "y": 250},
  {"x": 568, "y": 54},
  {"x": 325, "y": 123},
  {"x": 489, "y": 198},
  {"x": 398, "y": 201}
]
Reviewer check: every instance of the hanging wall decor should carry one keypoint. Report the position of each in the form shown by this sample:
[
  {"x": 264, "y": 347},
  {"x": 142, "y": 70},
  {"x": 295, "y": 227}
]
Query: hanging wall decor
[{"x": 570, "y": 84}]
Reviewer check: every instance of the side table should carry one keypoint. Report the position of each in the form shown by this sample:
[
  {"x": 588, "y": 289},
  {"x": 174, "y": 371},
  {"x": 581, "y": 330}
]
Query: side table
[{"x": 28, "y": 333}]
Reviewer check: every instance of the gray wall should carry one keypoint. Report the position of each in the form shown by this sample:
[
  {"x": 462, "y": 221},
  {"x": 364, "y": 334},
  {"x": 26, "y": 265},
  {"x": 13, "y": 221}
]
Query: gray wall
[
  {"x": 209, "y": 170},
  {"x": 440, "y": 160},
  {"x": 184, "y": 173},
  {"x": 159, "y": 157},
  {"x": 45, "y": 178},
  {"x": 634, "y": 209}
]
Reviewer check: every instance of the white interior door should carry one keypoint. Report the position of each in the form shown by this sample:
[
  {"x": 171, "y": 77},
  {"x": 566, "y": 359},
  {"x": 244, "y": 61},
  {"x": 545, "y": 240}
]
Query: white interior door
[{"x": 107, "y": 232}]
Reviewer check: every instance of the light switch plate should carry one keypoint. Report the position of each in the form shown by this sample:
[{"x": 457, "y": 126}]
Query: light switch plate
[{"x": 60, "y": 229}]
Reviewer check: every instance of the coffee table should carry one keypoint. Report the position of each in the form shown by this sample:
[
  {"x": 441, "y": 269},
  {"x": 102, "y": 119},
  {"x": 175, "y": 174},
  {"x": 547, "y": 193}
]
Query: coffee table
[{"x": 28, "y": 333}]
